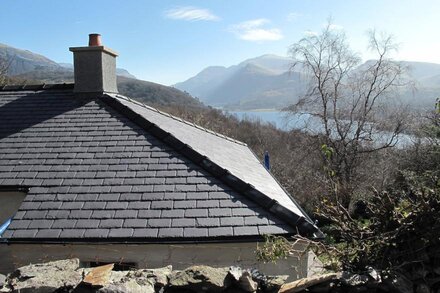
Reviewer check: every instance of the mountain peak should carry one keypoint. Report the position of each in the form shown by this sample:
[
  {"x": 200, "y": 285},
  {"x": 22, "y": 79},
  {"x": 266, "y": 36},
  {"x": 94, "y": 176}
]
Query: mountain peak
[{"x": 263, "y": 82}]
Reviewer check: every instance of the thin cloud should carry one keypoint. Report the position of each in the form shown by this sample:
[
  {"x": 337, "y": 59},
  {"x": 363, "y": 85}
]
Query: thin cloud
[
  {"x": 190, "y": 13},
  {"x": 293, "y": 16},
  {"x": 255, "y": 30},
  {"x": 310, "y": 33}
]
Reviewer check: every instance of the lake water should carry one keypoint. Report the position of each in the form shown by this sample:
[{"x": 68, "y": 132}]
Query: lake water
[{"x": 287, "y": 121}]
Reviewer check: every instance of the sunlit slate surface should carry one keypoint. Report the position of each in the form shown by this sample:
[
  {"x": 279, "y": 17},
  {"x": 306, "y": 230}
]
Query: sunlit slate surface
[
  {"x": 93, "y": 173},
  {"x": 231, "y": 155}
]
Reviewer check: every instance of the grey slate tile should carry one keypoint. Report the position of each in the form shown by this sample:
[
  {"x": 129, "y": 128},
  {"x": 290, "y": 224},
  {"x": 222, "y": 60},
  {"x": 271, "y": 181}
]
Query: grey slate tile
[
  {"x": 232, "y": 221},
  {"x": 89, "y": 223},
  {"x": 170, "y": 232},
  {"x": 221, "y": 231},
  {"x": 41, "y": 224},
  {"x": 60, "y": 214},
  {"x": 208, "y": 204},
  {"x": 197, "y": 195},
  {"x": 195, "y": 232},
  {"x": 139, "y": 205},
  {"x": 246, "y": 230},
  {"x": 192, "y": 213},
  {"x": 64, "y": 224},
  {"x": 208, "y": 222},
  {"x": 94, "y": 205},
  {"x": 221, "y": 212},
  {"x": 28, "y": 233},
  {"x": 48, "y": 233},
  {"x": 126, "y": 214},
  {"x": 145, "y": 233},
  {"x": 97, "y": 233},
  {"x": 72, "y": 233},
  {"x": 175, "y": 195},
  {"x": 130, "y": 196},
  {"x": 135, "y": 223},
  {"x": 104, "y": 214},
  {"x": 116, "y": 205},
  {"x": 175, "y": 213},
  {"x": 253, "y": 220},
  {"x": 147, "y": 214},
  {"x": 121, "y": 232},
  {"x": 72, "y": 205},
  {"x": 80, "y": 214},
  {"x": 181, "y": 222},
  {"x": 243, "y": 212},
  {"x": 111, "y": 223},
  {"x": 19, "y": 224},
  {"x": 155, "y": 223},
  {"x": 185, "y": 204},
  {"x": 164, "y": 204}
]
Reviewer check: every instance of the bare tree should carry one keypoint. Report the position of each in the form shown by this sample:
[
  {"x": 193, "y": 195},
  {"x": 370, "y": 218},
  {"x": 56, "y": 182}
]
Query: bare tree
[{"x": 350, "y": 100}]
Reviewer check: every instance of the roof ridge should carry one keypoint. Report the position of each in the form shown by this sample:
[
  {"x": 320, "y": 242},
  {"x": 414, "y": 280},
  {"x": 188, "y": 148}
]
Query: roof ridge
[
  {"x": 181, "y": 120},
  {"x": 37, "y": 87}
]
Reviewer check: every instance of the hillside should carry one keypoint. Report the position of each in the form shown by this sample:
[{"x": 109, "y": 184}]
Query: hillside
[
  {"x": 267, "y": 82},
  {"x": 25, "y": 61},
  {"x": 28, "y": 67}
]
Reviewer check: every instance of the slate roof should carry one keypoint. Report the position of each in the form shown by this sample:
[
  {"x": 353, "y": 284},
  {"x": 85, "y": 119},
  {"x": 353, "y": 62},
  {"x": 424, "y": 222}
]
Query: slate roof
[{"x": 109, "y": 168}]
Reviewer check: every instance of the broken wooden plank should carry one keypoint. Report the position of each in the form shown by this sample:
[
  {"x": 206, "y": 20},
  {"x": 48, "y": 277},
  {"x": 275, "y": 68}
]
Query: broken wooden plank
[
  {"x": 305, "y": 283},
  {"x": 99, "y": 276}
]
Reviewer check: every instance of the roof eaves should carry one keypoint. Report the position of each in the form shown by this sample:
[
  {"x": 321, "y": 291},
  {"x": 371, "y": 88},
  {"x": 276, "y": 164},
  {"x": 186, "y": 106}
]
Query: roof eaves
[
  {"x": 140, "y": 240},
  {"x": 304, "y": 226}
]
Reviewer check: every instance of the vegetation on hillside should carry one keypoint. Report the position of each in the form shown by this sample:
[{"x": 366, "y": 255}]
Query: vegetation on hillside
[{"x": 143, "y": 91}]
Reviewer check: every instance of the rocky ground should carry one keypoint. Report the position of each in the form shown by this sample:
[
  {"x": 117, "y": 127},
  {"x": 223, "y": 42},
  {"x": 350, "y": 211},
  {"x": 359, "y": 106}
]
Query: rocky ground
[{"x": 69, "y": 276}]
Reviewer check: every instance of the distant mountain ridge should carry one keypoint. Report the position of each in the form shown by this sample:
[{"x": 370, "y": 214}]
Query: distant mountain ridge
[
  {"x": 24, "y": 61},
  {"x": 30, "y": 67},
  {"x": 119, "y": 71},
  {"x": 270, "y": 82}
]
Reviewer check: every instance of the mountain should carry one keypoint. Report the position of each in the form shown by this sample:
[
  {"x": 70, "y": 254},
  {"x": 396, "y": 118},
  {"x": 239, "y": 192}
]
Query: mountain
[
  {"x": 119, "y": 71},
  {"x": 28, "y": 67},
  {"x": 267, "y": 82},
  {"x": 24, "y": 61},
  {"x": 262, "y": 82}
]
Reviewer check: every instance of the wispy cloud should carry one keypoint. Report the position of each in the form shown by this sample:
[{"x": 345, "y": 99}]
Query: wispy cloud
[
  {"x": 255, "y": 30},
  {"x": 310, "y": 33},
  {"x": 293, "y": 16},
  {"x": 190, "y": 13}
]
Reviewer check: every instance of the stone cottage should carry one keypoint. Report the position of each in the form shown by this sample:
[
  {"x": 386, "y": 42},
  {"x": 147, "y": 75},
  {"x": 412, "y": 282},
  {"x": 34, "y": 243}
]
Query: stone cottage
[{"x": 86, "y": 172}]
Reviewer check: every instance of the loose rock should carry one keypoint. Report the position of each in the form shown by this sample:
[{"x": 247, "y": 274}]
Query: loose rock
[
  {"x": 246, "y": 283},
  {"x": 47, "y": 277},
  {"x": 201, "y": 279}
]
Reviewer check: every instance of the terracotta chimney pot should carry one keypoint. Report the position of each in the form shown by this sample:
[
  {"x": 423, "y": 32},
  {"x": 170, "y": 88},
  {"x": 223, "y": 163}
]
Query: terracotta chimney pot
[{"x": 94, "y": 40}]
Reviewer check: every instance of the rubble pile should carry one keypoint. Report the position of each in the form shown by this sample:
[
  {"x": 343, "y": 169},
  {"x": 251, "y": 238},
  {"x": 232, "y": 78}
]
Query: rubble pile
[{"x": 69, "y": 276}]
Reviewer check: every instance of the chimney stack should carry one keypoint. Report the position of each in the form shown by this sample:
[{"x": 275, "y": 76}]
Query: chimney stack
[{"x": 94, "y": 67}]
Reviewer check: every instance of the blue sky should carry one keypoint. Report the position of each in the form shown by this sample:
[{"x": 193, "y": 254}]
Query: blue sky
[{"x": 169, "y": 41}]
